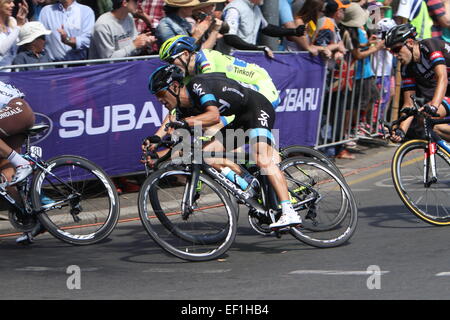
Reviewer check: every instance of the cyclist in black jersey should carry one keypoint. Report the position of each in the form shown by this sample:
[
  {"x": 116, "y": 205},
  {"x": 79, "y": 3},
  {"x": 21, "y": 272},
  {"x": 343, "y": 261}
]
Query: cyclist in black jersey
[
  {"x": 425, "y": 67},
  {"x": 207, "y": 97}
]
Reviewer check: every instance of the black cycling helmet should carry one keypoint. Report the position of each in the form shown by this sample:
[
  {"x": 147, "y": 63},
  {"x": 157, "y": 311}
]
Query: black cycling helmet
[
  {"x": 399, "y": 34},
  {"x": 163, "y": 77}
]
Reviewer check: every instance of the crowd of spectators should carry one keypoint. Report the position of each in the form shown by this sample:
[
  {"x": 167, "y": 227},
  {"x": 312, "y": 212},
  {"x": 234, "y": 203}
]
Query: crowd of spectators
[{"x": 36, "y": 31}]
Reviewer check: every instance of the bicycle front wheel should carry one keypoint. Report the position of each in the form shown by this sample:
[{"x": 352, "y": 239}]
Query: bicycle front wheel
[
  {"x": 331, "y": 218},
  {"x": 80, "y": 202},
  {"x": 201, "y": 233},
  {"x": 411, "y": 174}
]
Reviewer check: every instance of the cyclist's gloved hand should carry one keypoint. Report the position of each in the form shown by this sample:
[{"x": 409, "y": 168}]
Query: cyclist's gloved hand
[
  {"x": 149, "y": 142},
  {"x": 300, "y": 30},
  {"x": 398, "y": 135},
  {"x": 178, "y": 124},
  {"x": 431, "y": 110}
]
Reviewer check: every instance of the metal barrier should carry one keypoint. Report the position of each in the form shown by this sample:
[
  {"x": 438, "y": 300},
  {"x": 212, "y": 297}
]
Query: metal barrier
[
  {"x": 66, "y": 64},
  {"x": 345, "y": 118}
]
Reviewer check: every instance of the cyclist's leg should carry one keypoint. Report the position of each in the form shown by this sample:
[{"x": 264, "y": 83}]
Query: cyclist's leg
[
  {"x": 443, "y": 130},
  {"x": 259, "y": 122},
  {"x": 218, "y": 163},
  {"x": 15, "y": 118}
]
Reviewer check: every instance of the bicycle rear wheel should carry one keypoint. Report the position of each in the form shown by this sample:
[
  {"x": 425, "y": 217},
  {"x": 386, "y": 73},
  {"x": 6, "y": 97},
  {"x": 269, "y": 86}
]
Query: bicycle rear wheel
[
  {"x": 429, "y": 203},
  {"x": 309, "y": 152},
  {"x": 331, "y": 219},
  {"x": 203, "y": 233},
  {"x": 82, "y": 200}
]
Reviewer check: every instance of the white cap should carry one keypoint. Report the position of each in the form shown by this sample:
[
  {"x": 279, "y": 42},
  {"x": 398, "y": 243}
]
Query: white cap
[{"x": 30, "y": 31}]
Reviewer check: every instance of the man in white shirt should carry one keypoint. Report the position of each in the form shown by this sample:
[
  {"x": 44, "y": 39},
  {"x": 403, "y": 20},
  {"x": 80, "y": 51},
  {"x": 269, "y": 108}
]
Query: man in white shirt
[{"x": 71, "y": 24}]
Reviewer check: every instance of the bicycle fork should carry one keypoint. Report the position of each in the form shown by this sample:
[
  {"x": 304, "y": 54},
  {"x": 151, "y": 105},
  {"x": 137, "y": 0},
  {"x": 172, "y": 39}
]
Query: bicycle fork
[{"x": 430, "y": 162}]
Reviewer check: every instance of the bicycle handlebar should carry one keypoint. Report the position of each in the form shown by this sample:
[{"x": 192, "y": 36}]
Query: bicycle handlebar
[{"x": 413, "y": 111}]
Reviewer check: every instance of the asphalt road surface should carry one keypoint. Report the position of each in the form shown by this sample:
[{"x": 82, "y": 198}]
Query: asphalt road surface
[{"x": 392, "y": 255}]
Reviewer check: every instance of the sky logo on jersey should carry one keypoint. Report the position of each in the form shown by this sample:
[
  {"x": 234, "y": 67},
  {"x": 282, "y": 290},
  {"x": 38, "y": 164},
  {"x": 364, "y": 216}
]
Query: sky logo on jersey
[
  {"x": 198, "y": 90},
  {"x": 263, "y": 118}
]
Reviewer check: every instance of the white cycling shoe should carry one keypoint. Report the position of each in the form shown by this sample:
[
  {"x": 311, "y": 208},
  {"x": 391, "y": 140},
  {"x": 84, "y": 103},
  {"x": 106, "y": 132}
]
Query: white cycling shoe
[
  {"x": 286, "y": 220},
  {"x": 22, "y": 172}
]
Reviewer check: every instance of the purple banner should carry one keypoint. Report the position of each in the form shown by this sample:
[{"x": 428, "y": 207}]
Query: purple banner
[
  {"x": 299, "y": 78},
  {"x": 102, "y": 112}
]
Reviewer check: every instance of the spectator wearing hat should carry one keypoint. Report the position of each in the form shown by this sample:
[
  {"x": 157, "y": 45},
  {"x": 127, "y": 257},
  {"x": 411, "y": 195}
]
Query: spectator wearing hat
[
  {"x": 327, "y": 32},
  {"x": 115, "y": 34},
  {"x": 362, "y": 48},
  {"x": 179, "y": 21},
  {"x": 207, "y": 11},
  {"x": 32, "y": 45}
]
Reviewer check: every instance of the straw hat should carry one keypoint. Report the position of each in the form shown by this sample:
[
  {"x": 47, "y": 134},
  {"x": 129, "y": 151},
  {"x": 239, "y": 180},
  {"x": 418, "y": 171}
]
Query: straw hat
[
  {"x": 205, "y": 3},
  {"x": 355, "y": 16},
  {"x": 182, "y": 3},
  {"x": 31, "y": 31}
]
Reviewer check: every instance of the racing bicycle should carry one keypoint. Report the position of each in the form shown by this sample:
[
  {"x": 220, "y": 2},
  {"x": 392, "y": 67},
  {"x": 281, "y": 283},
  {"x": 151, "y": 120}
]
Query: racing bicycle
[
  {"x": 421, "y": 169},
  {"x": 187, "y": 207},
  {"x": 70, "y": 196}
]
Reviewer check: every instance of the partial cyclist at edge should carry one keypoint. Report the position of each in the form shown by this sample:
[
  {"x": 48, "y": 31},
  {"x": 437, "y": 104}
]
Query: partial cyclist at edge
[
  {"x": 424, "y": 73},
  {"x": 16, "y": 116},
  {"x": 197, "y": 102}
]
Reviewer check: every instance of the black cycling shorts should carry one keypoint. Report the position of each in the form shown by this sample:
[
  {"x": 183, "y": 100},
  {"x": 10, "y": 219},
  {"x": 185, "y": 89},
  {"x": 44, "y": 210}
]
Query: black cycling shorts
[{"x": 252, "y": 126}]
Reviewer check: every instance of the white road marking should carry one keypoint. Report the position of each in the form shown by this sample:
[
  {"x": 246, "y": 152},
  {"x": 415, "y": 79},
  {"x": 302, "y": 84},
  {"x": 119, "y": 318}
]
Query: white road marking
[
  {"x": 168, "y": 270},
  {"x": 336, "y": 272},
  {"x": 58, "y": 269},
  {"x": 442, "y": 274}
]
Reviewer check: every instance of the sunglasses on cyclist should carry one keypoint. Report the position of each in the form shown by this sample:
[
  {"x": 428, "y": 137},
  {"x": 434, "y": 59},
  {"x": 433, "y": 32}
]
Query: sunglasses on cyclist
[
  {"x": 396, "y": 49},
  {"x": 172, "y": 58},
  {"x": 160, "y": 93}
]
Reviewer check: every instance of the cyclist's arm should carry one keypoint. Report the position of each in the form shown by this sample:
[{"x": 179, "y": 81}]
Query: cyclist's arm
[
  {"x": 210, "y": 117},
  {"x": 407, "y": 103},
  {"x": 161, "y": 130},
  {"x": 442, "y": 82}
]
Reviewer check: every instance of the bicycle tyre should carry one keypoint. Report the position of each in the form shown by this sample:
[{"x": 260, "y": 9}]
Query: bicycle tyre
[
  {"x": 99, "y": 207},
  {"x": 408, "y": 172},
  {"x": 309, "y": 152},
  {"x": 332, "y": 227},
  {"x": 175, "y": 234}
]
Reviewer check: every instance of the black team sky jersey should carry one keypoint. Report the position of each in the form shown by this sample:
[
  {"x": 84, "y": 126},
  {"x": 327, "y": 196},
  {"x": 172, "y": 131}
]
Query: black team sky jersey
[
  {"x": 420, "y": 76},
  {"x": 251, "y": 109}
]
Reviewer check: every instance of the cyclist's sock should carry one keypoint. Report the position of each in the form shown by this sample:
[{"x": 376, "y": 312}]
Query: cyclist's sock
[
  {"x": 17, "y": 160},
  {"x": 286, "y": 207},
  {"x": 234, "y": 177}
]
